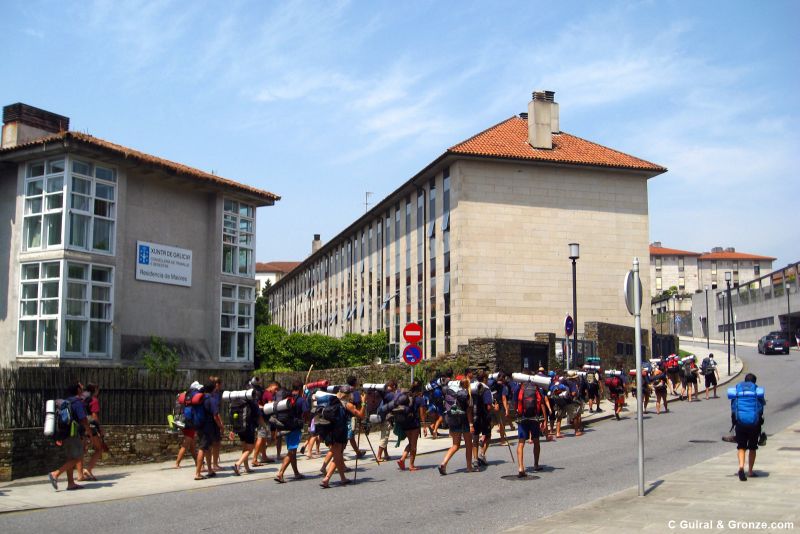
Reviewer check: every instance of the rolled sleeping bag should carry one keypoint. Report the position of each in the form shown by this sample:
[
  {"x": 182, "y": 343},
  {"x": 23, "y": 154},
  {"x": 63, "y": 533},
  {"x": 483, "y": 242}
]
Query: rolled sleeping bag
[
  {"x": 319, "y": 384},
  {"x": 494, "y": 376},
  {"x": 195, "y": 400},
  {"x": 588, "y": 367},
  {"x": 655, "y": 361},
  {"x": 276, "y": 406},
  {"x": 582, "y": 374},
  {"x": 759, "y": 392},
  {"x": 689, "y": 358},
  {"x": 374, "y": 387},
  {"x": 375, "y": 419},
  {"x": 49, "y": 418},
  {"x": 474, "y": 386},
  {"x": 332, "y": 389},
  {"x": 612, "y": 372},
  {"x": 541, "y": 381},
  {"x": 454, "y": 385},
  {"x": 242, "y": 395},
  {"x": 433, "y": 384},
  {"x": 632, "y": 372}
]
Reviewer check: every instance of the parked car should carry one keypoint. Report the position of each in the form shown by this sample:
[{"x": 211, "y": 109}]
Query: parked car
[{"x": 772, "y": 344}]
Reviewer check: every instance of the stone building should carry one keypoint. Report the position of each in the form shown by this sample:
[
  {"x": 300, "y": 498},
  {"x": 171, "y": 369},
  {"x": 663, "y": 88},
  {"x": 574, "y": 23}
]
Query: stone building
[
  {"x": 104, "y": 247},
  {"x": 475, "y": 245}
]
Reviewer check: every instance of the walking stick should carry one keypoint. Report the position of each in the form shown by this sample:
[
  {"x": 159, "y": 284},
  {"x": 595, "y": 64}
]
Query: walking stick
[
  {"x": 366, "y": 435},
  {"x": 358, "y": 451}
]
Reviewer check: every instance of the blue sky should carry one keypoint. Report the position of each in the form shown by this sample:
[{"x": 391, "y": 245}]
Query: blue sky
[{"x": 320, "y": 102}]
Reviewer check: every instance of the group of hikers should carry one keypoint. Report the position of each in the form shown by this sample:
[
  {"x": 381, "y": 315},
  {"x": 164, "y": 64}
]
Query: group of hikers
[{"x": 470, "y": 405}]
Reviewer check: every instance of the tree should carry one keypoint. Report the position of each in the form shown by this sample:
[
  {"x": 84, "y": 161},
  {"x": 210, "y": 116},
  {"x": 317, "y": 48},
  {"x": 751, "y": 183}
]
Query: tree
[{"x": 262, "y": 306}]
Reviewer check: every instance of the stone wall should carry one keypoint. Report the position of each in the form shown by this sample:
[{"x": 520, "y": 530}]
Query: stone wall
[
  {"x": 27, "y": 452},
  {"x": 615, "y": 344},
  {"x": 508, "y": 354}
]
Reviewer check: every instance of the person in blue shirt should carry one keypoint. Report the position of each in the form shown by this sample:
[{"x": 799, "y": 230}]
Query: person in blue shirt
[
  {"x": 73, "y": 445},
  {"x": 206, "y": 434},
  {"x": 412, "y": 426},
  {"x": 300, "y": 408},
  {"x": 484, "y": 406},
  {"x": 338, "y": 439},
  {"x": 747, "y": 414}
]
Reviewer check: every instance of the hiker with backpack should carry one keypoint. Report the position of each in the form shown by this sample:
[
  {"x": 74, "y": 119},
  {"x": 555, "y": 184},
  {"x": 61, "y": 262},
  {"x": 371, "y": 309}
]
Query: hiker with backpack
[
  {"x": 188, "y": 430},
  {"x": 352, "y": 381},
  {"x": 208, "y": 423},
  {"x": 245, "y": 416},
  {"x": 673, "y": 372},
  {"x": 410, "y": 421},
  {"x": 459, "y": 416},
  {"x": 560, "y": 397},
  {"x": 690, "y": 372},
  {"x": 574, "y": 406},
  {"x": 500, "y": 408},
  {"x": 659, "y": 383},
  {"x": 747, "y": 415},
  {"x": 710, "y": 373},
  {"x": 386, "y": 425},
  {"x": 270, "y": 433},
  {"x": 216, "y": 444},
  {"x": 332, "y": 428},
  {"x": 435, "y": 405},
  {"x": 71, "y": 425},
  {"x": 95, "y": 437},
  {"x": 593, "y": 389},
  {"x": 483, "y": 404},
  {"x": 616, "y": 391},
  {"x": 291, "y": 422},
  {"x": 530, "y": 412}
]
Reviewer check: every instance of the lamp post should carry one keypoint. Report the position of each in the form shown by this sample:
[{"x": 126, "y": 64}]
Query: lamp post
[
  {"x": 730, "y": 317},
  {"x": 574, "y": 254},
  {"x": 708, "y": 326},
  {"x": 674, "y": 314}
]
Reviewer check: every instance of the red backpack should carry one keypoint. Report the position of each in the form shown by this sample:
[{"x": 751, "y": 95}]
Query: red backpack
[
  {"x": 613, "y": 382},
  {"x": 529, "y": 401}
]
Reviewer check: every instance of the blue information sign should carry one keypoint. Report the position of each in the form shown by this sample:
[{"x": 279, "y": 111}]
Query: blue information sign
[{"x": 569, "y": 325}]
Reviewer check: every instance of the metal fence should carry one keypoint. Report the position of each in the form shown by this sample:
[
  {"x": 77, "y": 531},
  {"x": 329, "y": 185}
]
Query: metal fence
[{"x": 127, "y": 396}]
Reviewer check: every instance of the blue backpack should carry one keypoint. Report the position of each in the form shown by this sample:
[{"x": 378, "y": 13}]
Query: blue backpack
[
  {"x": 64, "y": 419},
  {"x": 194, "y": 415},
  {"x": 747, "y": 403}
]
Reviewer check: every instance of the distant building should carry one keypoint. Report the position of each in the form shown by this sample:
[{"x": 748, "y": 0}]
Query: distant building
[
  {"x": 272, "y": 271},
  {"x": 104, "y": 246},
  {"x": 476, "y": 243}
]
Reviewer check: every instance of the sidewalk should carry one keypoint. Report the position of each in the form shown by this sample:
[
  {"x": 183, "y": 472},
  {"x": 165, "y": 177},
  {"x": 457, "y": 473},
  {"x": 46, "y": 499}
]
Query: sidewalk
[
  {"x": 707, "y": 496},
  {"x": 122, "y": 482}
]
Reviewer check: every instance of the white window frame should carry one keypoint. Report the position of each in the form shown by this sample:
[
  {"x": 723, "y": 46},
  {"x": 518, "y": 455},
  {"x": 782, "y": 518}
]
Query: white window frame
[
  {"x": 240, "y": 322},
  {"x": 238, "y": 239},
  {"x": 43, "y": 199},
  {"x": 62, "y": 314},
  {"x": 99, "y": 177}
]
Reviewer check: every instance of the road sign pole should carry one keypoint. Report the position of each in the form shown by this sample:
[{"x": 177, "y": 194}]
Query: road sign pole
[{"x": 637, "y": 304}]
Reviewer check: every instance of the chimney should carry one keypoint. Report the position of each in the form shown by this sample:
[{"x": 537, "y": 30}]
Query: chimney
[
  {"x": 657, "y": 244},
  {"x": 316, "y": 244},
  {"x": 730, "y": 249},
  {"x": 23, "y": 123},
  {"x": 716, "y": 249},
  {"x": 542, "y": 119}
]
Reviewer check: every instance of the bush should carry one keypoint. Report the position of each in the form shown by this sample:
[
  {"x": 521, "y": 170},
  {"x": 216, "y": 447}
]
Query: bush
[
  {"x": 276, "y": 349},
  {"x": 160, "y": 358}
]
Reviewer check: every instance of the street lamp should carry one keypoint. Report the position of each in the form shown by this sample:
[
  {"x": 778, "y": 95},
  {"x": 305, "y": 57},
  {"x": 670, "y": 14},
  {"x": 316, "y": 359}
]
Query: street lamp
[
  {"x": 574, "y": 254},
  {"x": 708, "y": 342},
  {"x": 730, "y": 317},
  {"x": 674, "y": 314}
]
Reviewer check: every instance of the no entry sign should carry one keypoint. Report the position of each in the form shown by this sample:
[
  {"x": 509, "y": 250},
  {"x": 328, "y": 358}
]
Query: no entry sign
[
  {"x": 412, "y": 355},
  {"x": 412, "y": 333}
]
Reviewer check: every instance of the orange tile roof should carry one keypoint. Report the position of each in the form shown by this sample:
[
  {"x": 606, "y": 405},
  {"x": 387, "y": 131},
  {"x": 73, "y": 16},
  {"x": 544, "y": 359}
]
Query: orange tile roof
[
  {"x": 276, "y": 266},
  {"x": 663, "y": 251},
  {"x": 135, "y": 155},
  {"x": 509, "y": 139},
  {"x": 733, "y": 256}
]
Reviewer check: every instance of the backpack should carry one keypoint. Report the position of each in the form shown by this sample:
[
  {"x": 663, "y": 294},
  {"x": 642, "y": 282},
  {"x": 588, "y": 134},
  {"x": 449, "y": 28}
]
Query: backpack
[
  {"x": 746, "y": 404},
  {"x": 287, "y": 420},
  {"x": 194, "y": 413},
  {"x": 64, "y": 420},
  {"x": 329, "y": 416},
  {"x": 456, "y": 404},
  {"x": 591, "y": 378},
  {"x": 479, "y": 407},
  {"x": 240, "y": 414},
  {"x": 689, "y": 370},
  {"x": 400, "y": 408},
  {"x": 529, "y": 402},
  {"x": 708, "y": 366},
  {"x": 613, "y": 382}
]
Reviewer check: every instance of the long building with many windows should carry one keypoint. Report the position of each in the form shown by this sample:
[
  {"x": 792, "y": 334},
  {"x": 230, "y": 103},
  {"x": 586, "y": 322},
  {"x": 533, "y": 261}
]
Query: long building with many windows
[
  {"x": 476, "y": 243},
  {"x": 107, "y": 247}
]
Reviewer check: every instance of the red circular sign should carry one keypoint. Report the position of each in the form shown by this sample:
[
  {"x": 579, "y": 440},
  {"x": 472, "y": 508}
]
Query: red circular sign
[
  {"x": 412, "y": 355},
  {"x": 412, "y": 333}
]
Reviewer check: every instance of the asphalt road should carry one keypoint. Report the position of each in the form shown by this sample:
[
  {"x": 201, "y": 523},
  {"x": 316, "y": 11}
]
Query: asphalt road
[{"x": 577, "y": 470}]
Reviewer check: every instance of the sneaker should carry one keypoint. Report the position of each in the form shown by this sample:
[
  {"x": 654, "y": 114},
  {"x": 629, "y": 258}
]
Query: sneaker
[
  {"x": 482, "y": 461},
  {"x": 442, "y": 470},
  {"x": 742, "y": 476},
  {"x": 522, "y": 474}
]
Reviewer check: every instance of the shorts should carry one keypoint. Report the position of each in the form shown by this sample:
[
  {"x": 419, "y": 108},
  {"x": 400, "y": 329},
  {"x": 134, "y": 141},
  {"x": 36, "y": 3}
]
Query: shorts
[
  {"x": 339, "y": 435},
  {"x": 711, "y": 380},
  {"x": 497, "y": 417},
  {"x": 434, "y": 410},
  {"x": 692, "y": 380},
  {"x": 189, "y": 433},
  {"x": 293, "y": 439},
  {"x": 215, "y": 436},
  {"x": 261, "y": 433},
  {"x": 594, "y": 391},
  {"x": 247, "y": 436},
  {"x": 569, "y": 411},
  {"x": 73, "y": 447},
  {"x": 483, "y": 427},
  {"x": 747, "y": 437},
  {"x": 204, "y": 440},
  {"x": 95, "y": 428},
  {"x": 528, "y": 429}
]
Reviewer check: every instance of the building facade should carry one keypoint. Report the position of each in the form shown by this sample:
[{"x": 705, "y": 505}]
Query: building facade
[
  {"x": 271, "y": 271},
  {"x": 476, "y": 243},
  {"x": 106, "y": 247}
]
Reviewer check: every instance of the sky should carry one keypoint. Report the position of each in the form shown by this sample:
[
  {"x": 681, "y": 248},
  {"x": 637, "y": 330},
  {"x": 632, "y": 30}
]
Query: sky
[{"x": 322, "y": 102}]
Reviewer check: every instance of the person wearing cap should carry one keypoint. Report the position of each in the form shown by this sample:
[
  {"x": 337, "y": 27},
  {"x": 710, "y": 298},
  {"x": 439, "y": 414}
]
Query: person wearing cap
[{"x": 710, "y": 373}]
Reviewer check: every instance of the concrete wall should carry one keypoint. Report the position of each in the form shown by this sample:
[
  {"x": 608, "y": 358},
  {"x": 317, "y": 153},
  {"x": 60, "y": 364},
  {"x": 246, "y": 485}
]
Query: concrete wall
[
  {"x": 9, "y": 222},
  {"x": 511, "y": 229}
]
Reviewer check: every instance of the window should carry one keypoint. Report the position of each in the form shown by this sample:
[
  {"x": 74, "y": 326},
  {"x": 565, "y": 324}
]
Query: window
[
  {"x": 238, "y": 238},
  {"x": 680, "y": 264},
  {"x": 44, "y": 205},
  {"x": 658, "y": 283},
  {"x": 681, "y": 282},
  {"x": 446, "y": 246},
  {"x": 658, "y": 263},
  {"x": 236, "y": 323},
  {"x": 757, "y": 269},
  {"x": 92, "y": 208},
  {"x": 86, "y": 306},
  {"x": 432, "y": 264}
]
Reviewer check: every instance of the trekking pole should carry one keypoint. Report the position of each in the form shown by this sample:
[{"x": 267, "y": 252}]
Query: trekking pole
[
  {"x": 358, "y": 453},
  {"x": 366, "y": 435}
]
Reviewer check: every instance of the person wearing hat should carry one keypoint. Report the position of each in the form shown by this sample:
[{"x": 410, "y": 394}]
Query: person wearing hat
[{"x": 575, "y": 404}]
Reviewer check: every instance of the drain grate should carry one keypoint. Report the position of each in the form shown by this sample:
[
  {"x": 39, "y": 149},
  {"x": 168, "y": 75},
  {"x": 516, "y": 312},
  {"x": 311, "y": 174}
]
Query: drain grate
[
  {"x": 701, "y": 441},
  {"x": 789, "y": 448}
]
